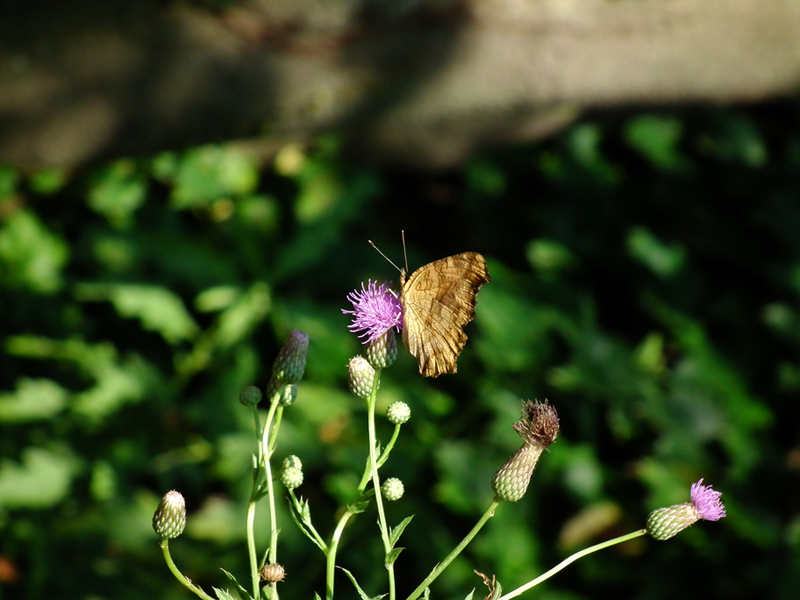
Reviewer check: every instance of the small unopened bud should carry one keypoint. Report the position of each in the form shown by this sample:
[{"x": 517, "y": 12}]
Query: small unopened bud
[
  {"x": 291, "y": 361},
  {"x": 382, "y": 352},
  {"x": 705, "y": 504},
  {"x": 360, "y": 377},
  {"x": 292, "y": 461},
  {"x": 292, "y": 478},
  {"x": 392, "y": 489},
  {"x": 398, "y": 413},
  {"x": 539, "y": 428},
  {"x": 169, "y": 519},
  {"x": 281, "y": 392},
  {"x": 250, "y": 396},
  {"x": 272, "y": 573}
]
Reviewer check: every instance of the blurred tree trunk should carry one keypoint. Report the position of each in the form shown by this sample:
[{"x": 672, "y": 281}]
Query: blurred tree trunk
[{"x": 418, "y": 81}]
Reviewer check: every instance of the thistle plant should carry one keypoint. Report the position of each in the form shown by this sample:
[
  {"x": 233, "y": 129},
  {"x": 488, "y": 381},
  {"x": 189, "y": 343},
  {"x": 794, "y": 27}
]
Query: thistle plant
[{"x": 377, "y": 316}]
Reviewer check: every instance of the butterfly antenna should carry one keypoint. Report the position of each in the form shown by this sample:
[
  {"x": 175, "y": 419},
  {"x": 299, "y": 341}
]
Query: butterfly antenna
[
  {"x": 405, "y": 256},
  {"x": 389, "y": 260}
]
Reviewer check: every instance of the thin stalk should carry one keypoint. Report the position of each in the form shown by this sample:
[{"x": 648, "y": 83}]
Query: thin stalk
[
  {"x": 376, "y": 482},
  {"x": 456, "y": 551},
  {"x": 573, "y": 558},
  {"x": 178, "y": 575}
]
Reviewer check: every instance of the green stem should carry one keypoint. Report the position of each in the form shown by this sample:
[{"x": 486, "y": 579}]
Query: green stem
[
  {"x": 251, "y": 549},
  {"x": 331, "y": 558},
  {"x": 251, "y": 513},
  {"x": 456, "y": 551},
  {"x": 569, "y": 560},
  {"x": 376, "y": 482},
  {"x": 269, "y": 443},
  {"x": 178, "y": 575}
]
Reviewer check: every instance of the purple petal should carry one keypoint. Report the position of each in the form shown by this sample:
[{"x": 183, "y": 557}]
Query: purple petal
[
  {"x": 375, "y": 310},
  {"x": 707, "y": 502}
]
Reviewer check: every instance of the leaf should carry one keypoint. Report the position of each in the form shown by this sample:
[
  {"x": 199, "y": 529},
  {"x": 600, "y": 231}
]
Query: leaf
[
  {"x": 34, "y": 400},
  {"x": 41, "y": 480},
  {"x": 223, "y": 594},
  {"x": 31, "y": 256},
  {"x": 303, "y": 521},
  {"x": 392, "y": 555},
  {"x": 118, "y": 192},
  {"x": 361, "y": 592},
  {"x": 157, "y": 308},
  {"x": 243, "y": 594},
  {"x": 395, "y": 533}
]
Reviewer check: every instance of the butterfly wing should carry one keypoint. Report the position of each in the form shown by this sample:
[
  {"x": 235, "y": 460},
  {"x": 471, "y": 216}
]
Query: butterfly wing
[{"x": 438, "y": 301}]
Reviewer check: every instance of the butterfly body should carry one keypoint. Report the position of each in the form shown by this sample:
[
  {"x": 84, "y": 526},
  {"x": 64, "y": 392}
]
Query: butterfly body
[{"x": 438, "y": 301}]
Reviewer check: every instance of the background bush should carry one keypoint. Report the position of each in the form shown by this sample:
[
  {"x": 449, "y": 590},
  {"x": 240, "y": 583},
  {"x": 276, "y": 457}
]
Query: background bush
[{"x": 645, "y": 278}]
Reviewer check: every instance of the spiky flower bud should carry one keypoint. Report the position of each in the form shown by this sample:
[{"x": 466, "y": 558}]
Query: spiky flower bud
[
  {"x": 291, "y": 361},
  {"x": 392, "y": 489},
  {"x": 169, "y": 519},
  {"x": 382, "y": 352},
  {"x": 705, "y": 504},
  {"x": 398, "y": 413},
  {"x": 538, "y": 427},
  {"x": 360, "y": 376},
  {"x": 291, "y": 477},
  {"x": 272, "y": 573},
  {"x": 250, "y": 396}
]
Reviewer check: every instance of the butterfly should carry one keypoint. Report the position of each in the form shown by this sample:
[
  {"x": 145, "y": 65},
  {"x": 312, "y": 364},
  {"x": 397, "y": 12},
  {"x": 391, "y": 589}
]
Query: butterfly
[{"x": 438, "y": 301}]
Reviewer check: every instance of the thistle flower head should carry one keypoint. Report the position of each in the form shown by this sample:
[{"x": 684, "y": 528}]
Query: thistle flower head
[
  {"x": 169, "y": 519},
  {"x": 250, "y": 396},
  {"x": 538, "y": 427},
  {"x": 392, "y": 489},
  {"x": 382, "y": 351},
  {"x": 360, "y": 376},
  {"x": 272, "y": 573},
  {"x": 375, "y": 311},
  {"x": 705, "y": 504},
  {"x": 398, "y": 413},
  {"x": 291, "y": 361}
]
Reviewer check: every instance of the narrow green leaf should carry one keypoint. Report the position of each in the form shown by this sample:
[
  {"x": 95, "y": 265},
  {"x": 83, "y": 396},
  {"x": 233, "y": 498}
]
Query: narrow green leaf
[
  {"x": 392, "y": 555},
  {"x": 394, "y": 534},
  {"x": 243, "y": 594},
  {"x": 361, "y": 592}
]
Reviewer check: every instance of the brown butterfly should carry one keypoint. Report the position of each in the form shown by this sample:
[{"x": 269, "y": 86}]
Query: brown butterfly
[{"x": 438, "y": 301}]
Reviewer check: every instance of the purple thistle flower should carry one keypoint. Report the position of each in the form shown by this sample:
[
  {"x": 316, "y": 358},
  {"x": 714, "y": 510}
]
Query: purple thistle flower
[
  {"x": 375, "y": 311},
  {"x": 707, "y": 502},
  {"x": 663, "y": 523}
]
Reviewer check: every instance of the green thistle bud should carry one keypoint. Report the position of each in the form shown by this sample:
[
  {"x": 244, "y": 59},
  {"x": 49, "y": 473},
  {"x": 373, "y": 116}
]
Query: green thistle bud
[
  {"x": 398, "y": 413},
  {"x": 272, "y": 573},
  {"x": 292, "y": 461},
  {"x": 382, "y": 352},
  {"x": 279, "y": 391},
  {"x": 538, "y": 427},
  {"x": 291, "y": 477},
  {"x": 360, "y": 377},
  {"x": 291, "y": 361},
  {"x": 169, "y": 519},
  {"x": 392, "y": 489},
  {"x": 250, "y": 396},
  {"x": 705, "y": 504}
]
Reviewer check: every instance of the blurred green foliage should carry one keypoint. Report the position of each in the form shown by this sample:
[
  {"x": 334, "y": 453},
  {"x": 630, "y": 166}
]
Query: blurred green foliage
[{"x": 645, "y": 279}]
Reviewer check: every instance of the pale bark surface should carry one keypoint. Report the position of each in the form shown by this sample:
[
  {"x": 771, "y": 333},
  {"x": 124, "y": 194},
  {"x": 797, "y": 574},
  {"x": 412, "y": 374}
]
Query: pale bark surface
[{"x": 418, "y": 81}]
